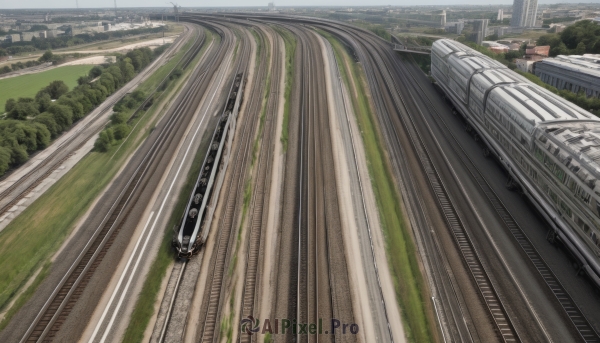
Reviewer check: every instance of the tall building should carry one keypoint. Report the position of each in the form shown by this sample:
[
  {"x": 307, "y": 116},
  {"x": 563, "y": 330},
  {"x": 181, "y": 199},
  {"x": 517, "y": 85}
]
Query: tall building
[
  {"x": 500, "y": 16},
  {"x": 480, "y": 28},
  {"x": 524, "y": 13}
]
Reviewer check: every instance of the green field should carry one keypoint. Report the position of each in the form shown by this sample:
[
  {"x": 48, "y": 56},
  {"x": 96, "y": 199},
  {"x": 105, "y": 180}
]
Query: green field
[{"x": 28, "y": 85}]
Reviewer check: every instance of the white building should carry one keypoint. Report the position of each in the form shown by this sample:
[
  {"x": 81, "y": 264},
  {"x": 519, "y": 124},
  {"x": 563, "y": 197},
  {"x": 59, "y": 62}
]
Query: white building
[
  {"x": 574, "y": 73},
  {"x": 524, "y": 13}
]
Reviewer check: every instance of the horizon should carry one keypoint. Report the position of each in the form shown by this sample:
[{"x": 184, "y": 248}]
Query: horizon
[{"x": 68, "y": 4}]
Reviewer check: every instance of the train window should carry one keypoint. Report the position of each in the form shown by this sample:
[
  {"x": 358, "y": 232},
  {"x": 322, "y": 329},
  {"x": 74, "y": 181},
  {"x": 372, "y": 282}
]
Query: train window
[
  {"x": 571, "y": 184},
  {"x": 534, "y": 175},
  {"x": 565, "y": 209},
  {"x": 553, "y": 196},
  {"x": 549, "y": 163},
  {"x": 538, "y": 153},
  {"x": 560, "y": 174},
  {"x": 582, "y": 194},
  {"x": 579, "y": 222}
]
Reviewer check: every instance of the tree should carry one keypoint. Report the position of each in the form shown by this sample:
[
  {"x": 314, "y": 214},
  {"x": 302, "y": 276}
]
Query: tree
[
  {"x": 22, "y": 110},
  {"x": 580, "y": 49},
  {"x": 4, "y": 159},
  {"x": 47, "y": 119},
  {"x": 561, "y": 49},
  {"x": 75, "y": 106},
  {"x": 44, "y": 101},
  {"x": 118, "y": 118},
  {"x": 56, "y": 89},
  {"x": 103, "y": 142},
  {"x": 10, "y": 104},
  {"x": 121, "y": 131},
  {"x": 48, "y": 56},
  {"x": 62, "y": 115},
  {"x": 95, "y": 72}
]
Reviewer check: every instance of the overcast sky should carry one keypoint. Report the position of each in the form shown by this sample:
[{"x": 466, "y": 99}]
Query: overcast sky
[{"x": 9, "y": 4}]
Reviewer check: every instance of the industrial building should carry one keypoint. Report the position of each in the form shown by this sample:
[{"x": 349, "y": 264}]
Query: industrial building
[
  {"x": 524, "y": 13},
  {"x": 575, "y": 73}
]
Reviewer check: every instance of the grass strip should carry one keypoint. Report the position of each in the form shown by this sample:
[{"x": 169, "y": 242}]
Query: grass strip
[
  {"x": 290, "y": 52},
  {"x": 144, "y": 307},
  {"x": 42, "y": 228},
  {"x": 409, "y": 284}
]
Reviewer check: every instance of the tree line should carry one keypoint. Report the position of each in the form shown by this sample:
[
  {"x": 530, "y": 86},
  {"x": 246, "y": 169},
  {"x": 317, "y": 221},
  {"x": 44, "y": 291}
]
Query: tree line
[
  {"x": 29, "y": 124},
  {"x": 583, "y": 37}
]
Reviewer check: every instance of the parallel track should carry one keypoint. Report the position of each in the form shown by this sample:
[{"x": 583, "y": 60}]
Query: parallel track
[
  {"x": 260, "y": 199},
  {"x": 50, "y": 160},
  {"x": 66, "y": 294},
  {"x": 227, "y": 221},
  {"x": 585, "y": 330}
]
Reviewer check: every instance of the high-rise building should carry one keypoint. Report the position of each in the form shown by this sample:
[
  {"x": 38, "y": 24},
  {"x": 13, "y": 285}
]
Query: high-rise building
[
  {"x": 524, "y": 13},
  {"x": 500, "y": 16},
  {"x": 480, "y": 28}
]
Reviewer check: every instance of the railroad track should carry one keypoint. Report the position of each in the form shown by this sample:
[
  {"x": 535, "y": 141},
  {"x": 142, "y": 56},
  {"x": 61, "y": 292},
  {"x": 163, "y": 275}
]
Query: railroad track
[
  {"x": 369, "y": 56},
  {"x": 260, "y": 198},
  {"x": 59, "y": 156},
  {"x": 471, "y": 255},
  {"x": 174, "y": 305},
  {"x": 63, "y": 298},
  {"x": 214, "y": 298},
  {"x": 582, "y": 325}
]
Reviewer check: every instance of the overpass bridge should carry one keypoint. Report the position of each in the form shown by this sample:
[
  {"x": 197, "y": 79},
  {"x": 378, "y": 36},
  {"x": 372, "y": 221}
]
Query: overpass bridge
[{"x": 413, "y": 50}]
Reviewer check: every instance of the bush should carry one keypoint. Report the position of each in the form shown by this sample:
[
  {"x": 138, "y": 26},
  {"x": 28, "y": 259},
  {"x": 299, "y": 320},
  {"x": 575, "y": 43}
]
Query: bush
[
  {"x": 103, "y": 142},
  {"x": 121, "y": 131},
  {"x": 118, "y": 118}
]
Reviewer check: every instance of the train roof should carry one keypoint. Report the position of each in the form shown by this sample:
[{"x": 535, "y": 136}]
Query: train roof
[
  {"x": 560, "y": 123},
  {"x": 580, "y": 140}
]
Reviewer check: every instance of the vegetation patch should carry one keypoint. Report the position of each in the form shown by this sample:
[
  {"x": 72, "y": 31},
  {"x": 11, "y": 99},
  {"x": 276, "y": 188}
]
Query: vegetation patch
[
  {"x": 25, "y": 86},
  {"x": 47, "y": 222},
  {"x": 410, "y": 287},
  {"x": 290, "y": 53}
]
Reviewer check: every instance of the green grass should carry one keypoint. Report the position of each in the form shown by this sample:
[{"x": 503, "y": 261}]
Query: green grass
[
  {"x": 44, "y": 225},
  {"x": 28, "y": 85},
  {"x": 409, "y": 284},
  {"x": 290, "y": 52}
]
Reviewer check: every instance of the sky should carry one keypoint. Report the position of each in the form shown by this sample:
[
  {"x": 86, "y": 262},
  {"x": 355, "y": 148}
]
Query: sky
[{"x": 11, "y": 4}]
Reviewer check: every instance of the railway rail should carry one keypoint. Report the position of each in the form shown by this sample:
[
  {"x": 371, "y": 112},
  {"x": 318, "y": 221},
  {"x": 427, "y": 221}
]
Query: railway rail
[
  {"x": 71, "y": 286},
  {"x": 211, "y": 308},
  {"x": 34, "y": 178},
  {"x": 259, "y": 202},
  {"x": 582, "y": 325}
]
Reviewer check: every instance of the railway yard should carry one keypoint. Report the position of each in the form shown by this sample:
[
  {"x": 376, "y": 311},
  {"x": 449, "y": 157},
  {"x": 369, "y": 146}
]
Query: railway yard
[{"x": 305, "y": 183}]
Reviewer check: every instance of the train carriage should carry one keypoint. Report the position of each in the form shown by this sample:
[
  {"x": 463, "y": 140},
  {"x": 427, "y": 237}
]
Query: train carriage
[{"x": 549, "y": 146}]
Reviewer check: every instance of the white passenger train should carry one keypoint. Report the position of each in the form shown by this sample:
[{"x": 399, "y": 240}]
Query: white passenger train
[{"x": 549, "y": 146}]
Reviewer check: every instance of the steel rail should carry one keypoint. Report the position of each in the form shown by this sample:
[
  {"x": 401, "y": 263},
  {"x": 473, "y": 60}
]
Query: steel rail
[
  {"x": 56, "y": 164},
  {"x": 71, "y": 285},
  {"x": 576, "y": 316}
]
